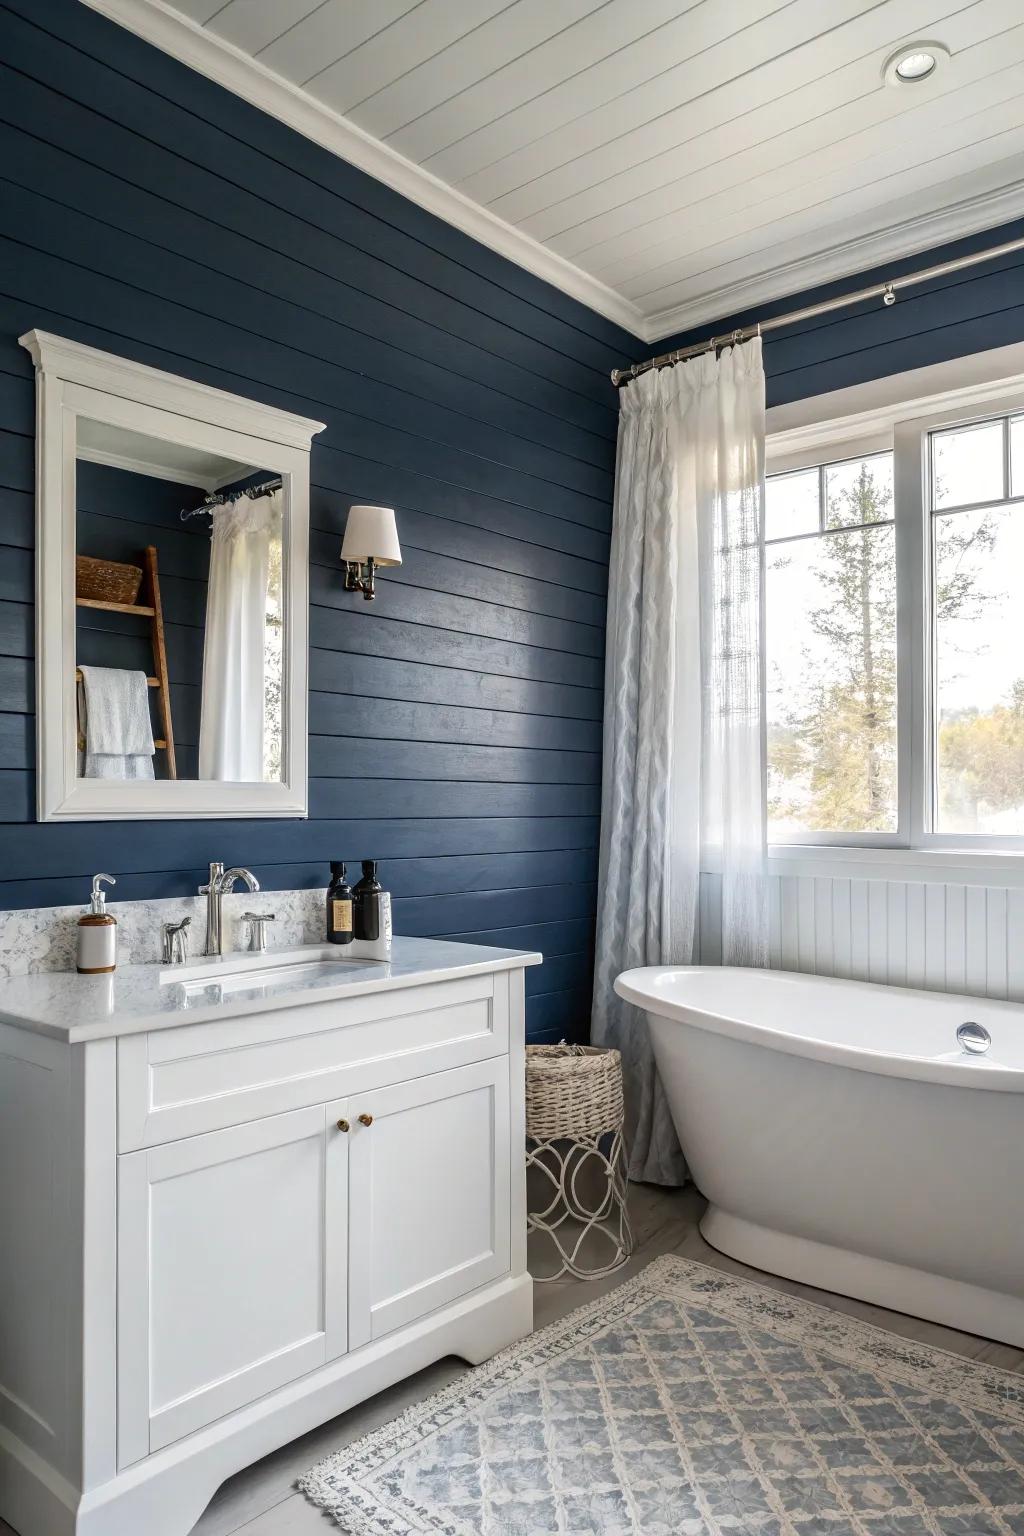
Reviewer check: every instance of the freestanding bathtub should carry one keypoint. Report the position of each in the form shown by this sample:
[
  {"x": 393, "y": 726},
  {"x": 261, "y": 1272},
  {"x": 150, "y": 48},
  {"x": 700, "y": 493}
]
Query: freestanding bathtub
[{"x": 844, "y": 1137}]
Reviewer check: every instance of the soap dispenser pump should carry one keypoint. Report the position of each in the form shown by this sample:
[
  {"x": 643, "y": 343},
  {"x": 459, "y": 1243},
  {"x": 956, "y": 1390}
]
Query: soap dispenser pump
[{"x": 97, "y": 933}]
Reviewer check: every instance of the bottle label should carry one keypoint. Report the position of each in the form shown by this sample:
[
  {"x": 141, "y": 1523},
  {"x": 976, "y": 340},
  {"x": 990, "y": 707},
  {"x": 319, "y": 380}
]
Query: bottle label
[{"x": 341, "y": 915}]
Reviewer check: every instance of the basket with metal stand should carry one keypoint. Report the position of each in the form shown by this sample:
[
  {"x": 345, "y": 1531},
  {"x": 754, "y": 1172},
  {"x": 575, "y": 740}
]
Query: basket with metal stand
[{"x": 576, "y": 1158}]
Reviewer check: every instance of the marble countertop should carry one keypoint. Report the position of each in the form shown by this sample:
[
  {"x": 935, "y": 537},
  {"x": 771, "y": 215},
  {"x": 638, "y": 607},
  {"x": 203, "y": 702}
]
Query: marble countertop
[{"x": 140, "y": 998}]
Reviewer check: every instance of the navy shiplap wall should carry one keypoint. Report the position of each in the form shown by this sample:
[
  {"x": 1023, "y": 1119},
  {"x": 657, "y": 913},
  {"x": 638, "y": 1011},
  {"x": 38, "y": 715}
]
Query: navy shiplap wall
[
  {"x": 456, "y": 722},
  {"x": 967, "y": 311}
]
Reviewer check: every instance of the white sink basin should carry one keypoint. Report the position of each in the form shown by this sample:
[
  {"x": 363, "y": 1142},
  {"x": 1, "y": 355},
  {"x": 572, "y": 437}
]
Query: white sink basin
[
  {"x": 317, "y": 962},
  {"x": 273, "y": 976}
]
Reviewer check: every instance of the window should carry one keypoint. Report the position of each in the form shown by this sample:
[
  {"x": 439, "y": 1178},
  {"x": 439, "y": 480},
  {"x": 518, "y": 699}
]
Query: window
[
  {"x": 830, "y": 606},
  {"x": 976, "y": 507},
  {"x": 894, "y": 615}
]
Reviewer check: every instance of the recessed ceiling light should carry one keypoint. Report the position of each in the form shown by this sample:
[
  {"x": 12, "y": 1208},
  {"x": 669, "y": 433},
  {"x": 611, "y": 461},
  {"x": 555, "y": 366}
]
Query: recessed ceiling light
[
  {"x": 914, "y": 62},
  {"x": 915, "y": 66}
]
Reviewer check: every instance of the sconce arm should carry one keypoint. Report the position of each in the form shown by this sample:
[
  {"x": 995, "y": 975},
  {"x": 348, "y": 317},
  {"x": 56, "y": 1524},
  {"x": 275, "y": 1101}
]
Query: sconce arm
[{"x": 359, "y": 577}]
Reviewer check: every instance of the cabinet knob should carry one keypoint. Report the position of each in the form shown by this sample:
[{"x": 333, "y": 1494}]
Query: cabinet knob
[
  {"x": 342, "y": 1125},
  {"x": 365, "y": 1119}
]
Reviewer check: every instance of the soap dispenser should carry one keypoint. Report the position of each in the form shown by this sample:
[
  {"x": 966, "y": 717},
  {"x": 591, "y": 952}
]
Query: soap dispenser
[
  {"x": 367, "y": 904},
  {"x": 371, "y": 915},
  {"x": 97, "y": 933}
]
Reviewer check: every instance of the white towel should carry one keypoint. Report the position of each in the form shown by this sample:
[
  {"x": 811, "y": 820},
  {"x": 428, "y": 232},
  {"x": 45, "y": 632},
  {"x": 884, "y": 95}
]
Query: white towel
[{"x": 115, "y": 722}]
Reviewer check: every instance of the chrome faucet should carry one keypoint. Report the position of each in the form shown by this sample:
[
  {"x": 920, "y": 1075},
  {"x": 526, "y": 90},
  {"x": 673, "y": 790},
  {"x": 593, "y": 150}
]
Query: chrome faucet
[{"x": 220, "y": 882}]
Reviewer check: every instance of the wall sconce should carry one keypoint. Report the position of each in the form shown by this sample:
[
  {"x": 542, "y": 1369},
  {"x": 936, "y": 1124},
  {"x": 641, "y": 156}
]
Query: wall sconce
[{"x": 371, "y": 539}]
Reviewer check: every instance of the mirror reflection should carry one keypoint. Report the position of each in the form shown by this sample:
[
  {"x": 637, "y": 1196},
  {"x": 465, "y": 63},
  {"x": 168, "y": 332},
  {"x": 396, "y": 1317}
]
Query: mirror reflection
[{"x": 179, "y": 611}]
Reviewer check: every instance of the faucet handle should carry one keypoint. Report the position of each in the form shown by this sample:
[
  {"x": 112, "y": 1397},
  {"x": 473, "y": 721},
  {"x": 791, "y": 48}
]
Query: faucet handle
[
  {"x": 257, "y": 924},
  {"x": 175, "y": 942}
]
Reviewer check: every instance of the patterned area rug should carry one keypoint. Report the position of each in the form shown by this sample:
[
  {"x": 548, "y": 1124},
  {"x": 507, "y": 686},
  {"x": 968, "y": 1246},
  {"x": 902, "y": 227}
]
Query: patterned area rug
[{"x": 686, "y": 1403}]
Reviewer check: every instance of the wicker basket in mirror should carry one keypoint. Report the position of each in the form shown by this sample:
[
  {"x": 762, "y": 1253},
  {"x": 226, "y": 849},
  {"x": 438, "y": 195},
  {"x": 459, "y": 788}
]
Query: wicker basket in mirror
[{"x": 106, "y": 581}]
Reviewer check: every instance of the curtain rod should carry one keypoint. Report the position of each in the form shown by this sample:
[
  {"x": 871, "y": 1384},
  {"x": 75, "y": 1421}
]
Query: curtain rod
[
  {"x": 222, "y": 499},
  {"x": 885, "y": 291}
]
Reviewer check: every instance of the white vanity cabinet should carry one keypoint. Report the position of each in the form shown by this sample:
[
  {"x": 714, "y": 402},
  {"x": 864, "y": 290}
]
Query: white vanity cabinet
[
  {"x": 428, "y": 1196},
  {"x": 241, "y": 1226},
  {"x": 232, "y": 1272}
]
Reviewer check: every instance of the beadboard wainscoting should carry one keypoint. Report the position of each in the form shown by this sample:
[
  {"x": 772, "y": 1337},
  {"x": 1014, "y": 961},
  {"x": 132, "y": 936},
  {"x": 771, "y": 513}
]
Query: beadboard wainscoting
[
  {"x": 941, "y": 935},
  {"x": 456, "y": 721}
]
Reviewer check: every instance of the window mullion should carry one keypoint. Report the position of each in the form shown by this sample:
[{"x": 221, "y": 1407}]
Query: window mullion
[{"x": 910, "y": 471}]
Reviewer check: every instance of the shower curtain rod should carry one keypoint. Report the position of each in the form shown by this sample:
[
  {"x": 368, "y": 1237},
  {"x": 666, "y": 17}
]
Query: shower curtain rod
[
  {"x": 885, "y": 291},
  {"x": 218, "y": 499}
]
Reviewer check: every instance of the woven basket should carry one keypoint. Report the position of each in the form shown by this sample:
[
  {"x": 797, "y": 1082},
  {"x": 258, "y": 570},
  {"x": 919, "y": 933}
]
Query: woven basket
[
  {"x": 106, "y": 581},
  {"x": 572, "y": 1091}
]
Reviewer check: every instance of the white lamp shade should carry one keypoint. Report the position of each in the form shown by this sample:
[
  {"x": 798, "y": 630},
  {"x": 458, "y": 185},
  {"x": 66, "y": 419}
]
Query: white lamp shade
[{"x": 371, "y": 534}]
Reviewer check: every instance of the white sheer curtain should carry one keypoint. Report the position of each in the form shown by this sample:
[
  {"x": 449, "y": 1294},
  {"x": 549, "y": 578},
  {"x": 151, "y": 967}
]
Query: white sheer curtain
[
  {"x": 683, "y": 728},
  {"x": 234, "y": 667}
]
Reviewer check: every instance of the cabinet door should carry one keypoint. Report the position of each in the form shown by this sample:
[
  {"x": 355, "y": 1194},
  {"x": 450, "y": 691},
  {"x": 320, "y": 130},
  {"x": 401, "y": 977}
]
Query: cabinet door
[
  {"x": 429, "y": 1185},
  {"x": 231, "y": 1272}
]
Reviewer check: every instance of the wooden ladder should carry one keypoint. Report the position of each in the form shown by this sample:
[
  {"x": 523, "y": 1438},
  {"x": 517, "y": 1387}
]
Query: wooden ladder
[{"x": 153, "y": 611}]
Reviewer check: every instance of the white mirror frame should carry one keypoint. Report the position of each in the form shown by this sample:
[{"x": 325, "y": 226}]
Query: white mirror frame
[{"x": 73, "y": 380}]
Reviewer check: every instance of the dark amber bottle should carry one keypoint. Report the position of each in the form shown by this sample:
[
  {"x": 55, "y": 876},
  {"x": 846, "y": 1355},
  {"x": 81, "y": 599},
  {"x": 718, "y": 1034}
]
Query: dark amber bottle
[
  {"x": 366, "y": 897},
  {"x": 339, "y": 906}
]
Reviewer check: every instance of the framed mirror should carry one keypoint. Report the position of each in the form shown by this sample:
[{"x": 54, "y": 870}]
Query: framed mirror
[{"x": 171, "y": 594}]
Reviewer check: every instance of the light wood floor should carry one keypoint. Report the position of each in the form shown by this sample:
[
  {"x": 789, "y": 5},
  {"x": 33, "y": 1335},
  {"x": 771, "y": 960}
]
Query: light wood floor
[{"x": 261, "y": 1501}]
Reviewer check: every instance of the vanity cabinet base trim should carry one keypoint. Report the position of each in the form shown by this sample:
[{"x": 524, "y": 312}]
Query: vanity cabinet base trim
[{"x": 166, "y": 1494}]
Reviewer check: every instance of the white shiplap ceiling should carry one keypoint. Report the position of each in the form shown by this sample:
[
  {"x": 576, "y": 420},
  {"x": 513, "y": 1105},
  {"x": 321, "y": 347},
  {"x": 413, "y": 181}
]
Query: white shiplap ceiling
[{"x": 667, "y": 161}]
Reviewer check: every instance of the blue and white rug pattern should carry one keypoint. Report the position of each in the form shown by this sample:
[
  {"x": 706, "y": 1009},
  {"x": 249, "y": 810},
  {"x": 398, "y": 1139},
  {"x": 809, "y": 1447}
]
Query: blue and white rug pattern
[{"x": 690, "y": 1403}]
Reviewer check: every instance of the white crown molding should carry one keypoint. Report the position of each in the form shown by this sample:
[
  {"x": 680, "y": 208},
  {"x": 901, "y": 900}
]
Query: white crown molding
[
  {"x": 202, "y": 50},
  {"x": 146, "y": 467},
  {"x": 237, "y": 71},
  {"x": 908, "y": 238}
]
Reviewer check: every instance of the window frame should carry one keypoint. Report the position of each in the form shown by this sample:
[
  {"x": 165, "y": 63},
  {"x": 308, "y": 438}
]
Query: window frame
[{"x": 906, "y": 435}]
